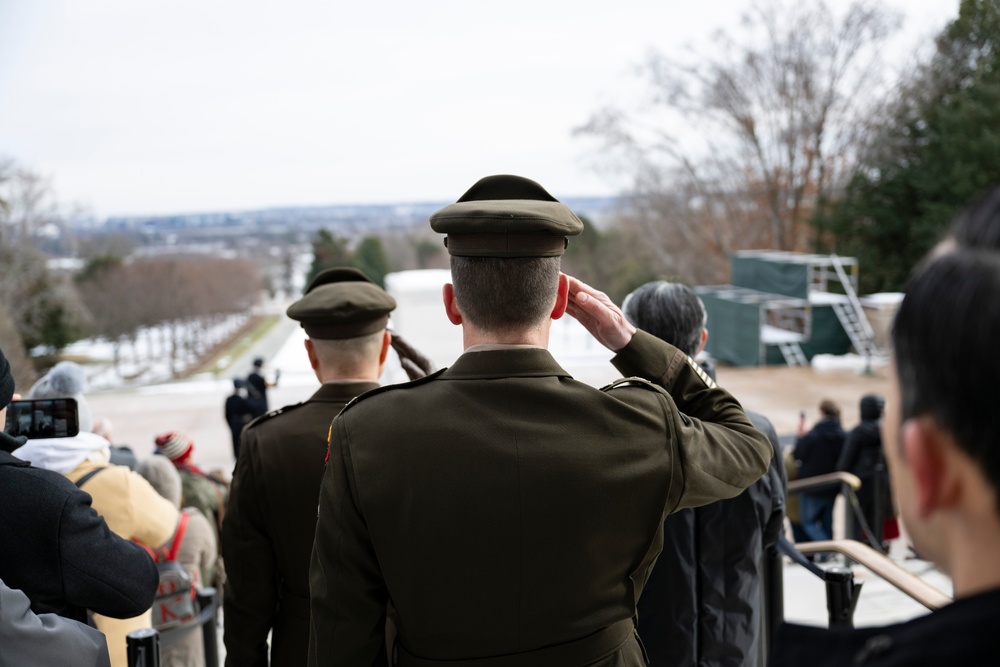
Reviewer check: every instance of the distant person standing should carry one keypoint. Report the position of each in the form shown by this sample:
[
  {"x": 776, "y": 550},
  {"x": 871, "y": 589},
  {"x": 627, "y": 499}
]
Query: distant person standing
[
  {"x": 817, "y": 453},
  {"x": 257, "y": 386},
  {"x": 862, "y": 456},
  {"x": 238, "y": 413}
]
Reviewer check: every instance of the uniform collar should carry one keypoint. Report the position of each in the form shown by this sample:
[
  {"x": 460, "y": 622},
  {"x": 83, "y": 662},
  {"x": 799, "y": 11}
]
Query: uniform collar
[
  {"x": 520, "y": 361},
  {"x": 341, "y": 392}
]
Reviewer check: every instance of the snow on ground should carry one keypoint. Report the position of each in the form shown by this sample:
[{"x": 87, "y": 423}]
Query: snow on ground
[{"x": 148, "y": 360}]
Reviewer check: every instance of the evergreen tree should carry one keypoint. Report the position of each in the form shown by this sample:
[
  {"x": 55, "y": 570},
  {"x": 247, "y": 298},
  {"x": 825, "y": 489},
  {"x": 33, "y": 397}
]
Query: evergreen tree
[
  {"x": 371, "y": 259},
  {"x": 328, "y": 251},
  {"x": 935, "y": 151}
]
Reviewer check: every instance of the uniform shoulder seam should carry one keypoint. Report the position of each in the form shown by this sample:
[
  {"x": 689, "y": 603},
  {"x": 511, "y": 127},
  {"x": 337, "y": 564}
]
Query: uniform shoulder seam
[
  {"x": 633, "y": 381},
  {"x": 391, "y": 387},
  {"x": 273, "y": 413}
]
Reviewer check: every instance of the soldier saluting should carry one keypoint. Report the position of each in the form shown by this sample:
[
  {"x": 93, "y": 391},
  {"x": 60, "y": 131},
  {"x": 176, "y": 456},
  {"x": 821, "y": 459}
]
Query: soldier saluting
[
  {"x": 510, "y": 513},
  {"x": 271, "y": 517}
]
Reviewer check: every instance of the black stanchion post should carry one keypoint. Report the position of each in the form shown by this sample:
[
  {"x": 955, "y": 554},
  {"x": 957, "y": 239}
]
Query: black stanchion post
[
  {"x": 206, "y": 597},
  {"x": 774, "y": 599},
  {"x": 845, "y": 491},
  {"x": 841, "y": 596},
  {"x": 143, "y": 648},
  {"x": 879, "y": 513}
]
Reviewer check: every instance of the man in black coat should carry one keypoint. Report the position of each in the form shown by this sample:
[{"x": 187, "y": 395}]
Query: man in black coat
[
  {"x": 817, "y": 453},
  {"x": 57, "y": 549},
  {"x": 704, "y": 602}
]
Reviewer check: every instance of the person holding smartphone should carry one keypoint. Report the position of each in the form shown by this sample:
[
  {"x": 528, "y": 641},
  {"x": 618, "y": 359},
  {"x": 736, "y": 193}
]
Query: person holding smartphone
[
  {"x": 57, "y": 549},
  {"x": 130, "y": 506}
]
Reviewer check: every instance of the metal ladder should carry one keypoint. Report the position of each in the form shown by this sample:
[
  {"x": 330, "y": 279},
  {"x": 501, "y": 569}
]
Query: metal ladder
[
  {"x": 852, "y": 315},
  {"x": 794, "y": 356}
]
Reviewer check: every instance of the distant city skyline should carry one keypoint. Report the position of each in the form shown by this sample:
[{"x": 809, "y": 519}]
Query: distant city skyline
[{"x": 160, "y": 108}]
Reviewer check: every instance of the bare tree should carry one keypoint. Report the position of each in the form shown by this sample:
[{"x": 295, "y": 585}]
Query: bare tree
[{"x": 739, "y": 139}]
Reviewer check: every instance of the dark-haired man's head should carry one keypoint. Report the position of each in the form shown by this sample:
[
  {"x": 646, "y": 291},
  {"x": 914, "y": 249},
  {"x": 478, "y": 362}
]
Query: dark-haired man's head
[
  {"x": 670, "y": 311},
  {"x": 941, "y": 430},
  {"x": 506, "y": 236}
]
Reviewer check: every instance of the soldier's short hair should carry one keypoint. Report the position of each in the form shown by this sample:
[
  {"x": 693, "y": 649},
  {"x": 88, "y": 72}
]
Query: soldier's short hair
[
  {"x": 502, "y": 294},
  {"x": 348, "y": 356}
]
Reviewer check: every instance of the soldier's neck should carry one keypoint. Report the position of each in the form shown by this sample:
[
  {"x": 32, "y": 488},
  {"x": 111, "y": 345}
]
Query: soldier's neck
[{"x": 537, "y": 336}]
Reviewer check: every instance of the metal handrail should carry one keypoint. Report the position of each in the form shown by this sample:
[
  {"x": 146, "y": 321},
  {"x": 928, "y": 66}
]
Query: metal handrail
[
  {"x": 902, "y": 579},
  {"x": 822, "y": 481}
]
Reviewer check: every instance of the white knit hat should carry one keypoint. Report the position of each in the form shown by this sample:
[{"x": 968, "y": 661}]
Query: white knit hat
[{"x": 174, "y": 445}]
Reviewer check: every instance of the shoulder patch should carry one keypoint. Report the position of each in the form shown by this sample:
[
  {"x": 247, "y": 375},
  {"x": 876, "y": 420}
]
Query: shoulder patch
[
  {"x": 392, "y": 387},
  {"x": 273, "y": 413},
  {"x": 635, "y": 382}
]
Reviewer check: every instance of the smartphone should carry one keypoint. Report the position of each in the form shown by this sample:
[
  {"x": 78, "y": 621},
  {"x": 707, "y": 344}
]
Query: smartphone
[{"x": 48, "y": 418}]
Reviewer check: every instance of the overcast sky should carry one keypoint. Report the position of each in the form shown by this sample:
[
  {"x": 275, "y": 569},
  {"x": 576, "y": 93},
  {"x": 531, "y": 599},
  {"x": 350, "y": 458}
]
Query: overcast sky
[{"x": 136, "y": 107}]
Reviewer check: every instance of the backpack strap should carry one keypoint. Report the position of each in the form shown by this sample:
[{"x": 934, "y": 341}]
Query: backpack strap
[
  {"x": 86, "y": 478},
  {"x": 178, "y": 536}
]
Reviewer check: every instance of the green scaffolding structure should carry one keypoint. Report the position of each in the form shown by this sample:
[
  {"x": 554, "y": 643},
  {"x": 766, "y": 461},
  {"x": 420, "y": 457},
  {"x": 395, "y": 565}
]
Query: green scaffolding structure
[{"x": 784, "y": 308}]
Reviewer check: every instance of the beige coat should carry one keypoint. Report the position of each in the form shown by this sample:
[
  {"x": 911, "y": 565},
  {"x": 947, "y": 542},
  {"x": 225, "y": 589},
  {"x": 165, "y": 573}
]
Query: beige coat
[{"x": 135, "y": 511}]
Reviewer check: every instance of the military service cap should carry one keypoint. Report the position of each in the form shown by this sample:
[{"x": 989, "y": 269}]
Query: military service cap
[
  {"x": 342, "y": 303},
  {"x": 506, "y": 216}
]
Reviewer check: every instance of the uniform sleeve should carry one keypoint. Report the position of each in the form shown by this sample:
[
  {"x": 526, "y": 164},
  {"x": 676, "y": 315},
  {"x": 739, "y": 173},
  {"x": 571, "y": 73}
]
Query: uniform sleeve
[
  {"x": 347, "y": 591},
  {"x": 719, "y": 450},
  {"x": 251, "y": 600},
  {"x": 101, "y": 571}
]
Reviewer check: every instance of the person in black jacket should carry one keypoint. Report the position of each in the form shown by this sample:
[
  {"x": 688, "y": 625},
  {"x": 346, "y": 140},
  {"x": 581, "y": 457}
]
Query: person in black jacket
[
  {"x": 817, "y": 453},
  {"x": 57, "y": 549},
  {"x": 703, "y": 604},
  {"x": 238, "y": 413},
  {"x": 862, "y": 456}
]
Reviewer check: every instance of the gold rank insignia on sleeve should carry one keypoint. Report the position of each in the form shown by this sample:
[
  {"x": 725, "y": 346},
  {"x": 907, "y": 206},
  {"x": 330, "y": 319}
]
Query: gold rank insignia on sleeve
[{"x": 701, "y": 372}]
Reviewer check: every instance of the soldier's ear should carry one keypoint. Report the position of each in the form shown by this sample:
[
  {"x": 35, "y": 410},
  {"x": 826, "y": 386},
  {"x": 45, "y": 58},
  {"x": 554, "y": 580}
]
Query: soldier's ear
[
  {"x": 562, "y": 297},
  {"x": 450, "y": 307},
  {"x": 386, "y": 343},
  {"x": 311, "y": 351}
]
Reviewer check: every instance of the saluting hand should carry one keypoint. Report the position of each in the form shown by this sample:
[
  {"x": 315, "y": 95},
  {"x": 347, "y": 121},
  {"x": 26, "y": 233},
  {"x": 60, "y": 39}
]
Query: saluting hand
[
  {"x": 413, "y": 362},
  {"x": 599, "y": 315}
]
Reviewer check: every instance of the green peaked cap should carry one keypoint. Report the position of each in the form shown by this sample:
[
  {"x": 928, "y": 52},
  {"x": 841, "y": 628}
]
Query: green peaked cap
[
  {"x": 342, "y": 303},
  {"x": 506, "y": 216}
]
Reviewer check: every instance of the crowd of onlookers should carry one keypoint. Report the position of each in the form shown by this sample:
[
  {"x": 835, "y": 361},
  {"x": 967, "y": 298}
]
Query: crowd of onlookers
[{"x": 139, "y": 500}]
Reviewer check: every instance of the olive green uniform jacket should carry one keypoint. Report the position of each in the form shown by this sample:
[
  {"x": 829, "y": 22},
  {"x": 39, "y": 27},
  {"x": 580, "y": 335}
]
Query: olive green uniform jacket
[
  {"x": 506, "y": 509},
  {"x": 269, "y": 525}
]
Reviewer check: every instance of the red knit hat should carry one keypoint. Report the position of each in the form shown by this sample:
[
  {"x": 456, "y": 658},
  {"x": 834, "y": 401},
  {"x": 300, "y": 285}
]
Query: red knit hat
[{"x": 175, "y": 445}]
